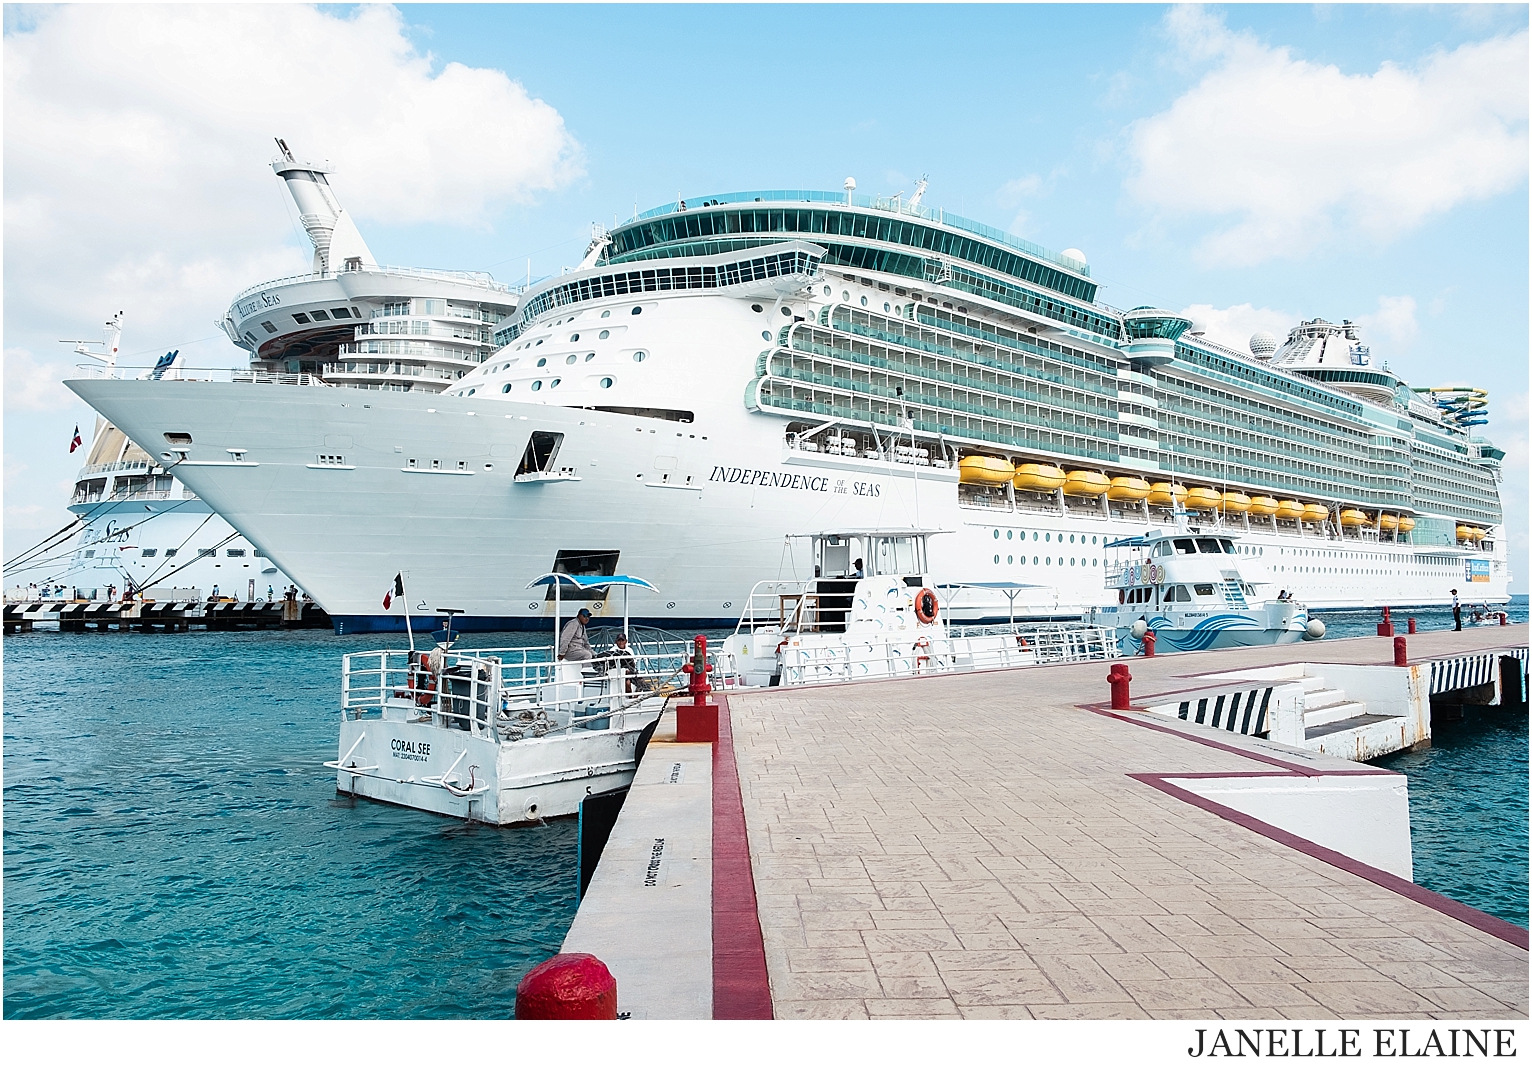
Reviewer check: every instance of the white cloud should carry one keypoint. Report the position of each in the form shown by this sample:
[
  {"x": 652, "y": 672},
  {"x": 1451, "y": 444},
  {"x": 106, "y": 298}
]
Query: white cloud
[
  {"x": 33, "y": 385},
  {"x": 1393, "y": 322},
  {"x": 1287, "y": 154},
  {"x": 136, "y": 143},
  {"x": 1234, "y": 326}
]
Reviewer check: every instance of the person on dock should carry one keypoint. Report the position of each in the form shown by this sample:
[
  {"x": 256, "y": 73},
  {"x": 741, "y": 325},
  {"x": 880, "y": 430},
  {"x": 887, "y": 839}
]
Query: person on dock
[
  {"x": 1457, "y": 612},
  {"x": 573, "y": 644}
]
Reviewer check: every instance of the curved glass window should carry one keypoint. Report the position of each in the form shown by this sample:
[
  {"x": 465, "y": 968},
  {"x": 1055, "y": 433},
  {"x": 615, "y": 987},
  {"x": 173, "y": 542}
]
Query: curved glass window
[
  {"x": 506, "y": 387},
  {"x": 542, "y": 362},
  {"x": 604, "y": 334},
  {"x": 606, "y": 383},
  {"x": 536, "y": 385}
]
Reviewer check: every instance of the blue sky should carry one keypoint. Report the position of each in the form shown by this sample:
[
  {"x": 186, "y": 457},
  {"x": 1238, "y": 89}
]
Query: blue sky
[{"x": 1250, "y": 165}]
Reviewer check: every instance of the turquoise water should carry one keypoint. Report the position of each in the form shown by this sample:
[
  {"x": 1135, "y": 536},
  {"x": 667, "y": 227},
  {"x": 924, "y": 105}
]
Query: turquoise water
[{"x": 173, "y": 848}]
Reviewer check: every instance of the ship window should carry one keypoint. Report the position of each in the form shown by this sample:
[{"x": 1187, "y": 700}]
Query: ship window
[
  {"x": 571, "y": 359},
  {"x": 1208, "y": 546},
  {"x": 1228, "y": 546},
  {"x": 204, "y": 553},
  {"x": 574, "y": 337},
  {"x": 606, "y": 383},
  {"x": 554, "y": 383},
  {"x": 170, "y": 553},
  {"x": 756, "y": 308},
  {"x": 997, "y": 560},
  {"x": 320, "y": 316},
  {"x": 268, "y": 327},
  {"x": 178, "y": 439},
  {"x": 606, "y": 314},
  {"x": 342, "y": 312},
  {"x": 300, "y": 318},
  {"x": 250, "y": 337},
  {"x": 1008, "y": 533},
  {"x": 864, "y": 301},
  {"x": 149, "y": 553},
  {"x": 506, "y": 387},
  {"x": 543, "y": 361},
  {"x": 997, "y": 534},
  {"x": 604, "y": 334},
  {"x": 1184, "y": 546},
  {"x": 235, "y": 553},
  {"x": 1010, "y": 558},
  {"x": 787, "y": 312},
  {"x": 91, "y": 554},
  {"x": 589, "y": 356},
  {"x": 536, "y": 385},
  {"x": 638, "y": 310},
  {"x": 1203, "y": 590},
  {"x": 470, "y": 392},
  {"x": 639, "y": 357},
  {"x": 765, "y": 334},
  {"x": 885, "y": 308}
]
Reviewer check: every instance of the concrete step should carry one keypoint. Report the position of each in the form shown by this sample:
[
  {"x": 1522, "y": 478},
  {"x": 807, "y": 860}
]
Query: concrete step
[
  {"x": 1334, "y": 712},
  {"x": 1311, "y": 684}
]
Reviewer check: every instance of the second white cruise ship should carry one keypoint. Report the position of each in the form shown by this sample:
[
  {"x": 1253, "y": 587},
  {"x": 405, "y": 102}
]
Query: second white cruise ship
[{"x": 722, "y": 372}]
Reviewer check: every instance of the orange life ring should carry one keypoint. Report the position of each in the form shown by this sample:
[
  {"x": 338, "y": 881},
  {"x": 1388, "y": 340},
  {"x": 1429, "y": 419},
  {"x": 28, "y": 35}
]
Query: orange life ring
[{"x": 926, "y": 606}]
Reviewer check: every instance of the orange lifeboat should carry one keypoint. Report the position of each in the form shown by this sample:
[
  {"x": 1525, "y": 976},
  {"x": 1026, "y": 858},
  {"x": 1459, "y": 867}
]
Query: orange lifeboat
[
  {"x": 1085, "y": 483},
  {"x": 1263, "y": 505},
  {"x": 1465, "y": 533},
  {"x": 1201, "y": 499},
  {"x": 1236, "y": 503},
  {"x": 1035, "y": 477},
  {"x": 1388, "y": 522},
  {"x": 1128, "y": 488},
  {"x": 1315, "y": 513},
  {"x": 1406, "y": 523},
  {"x": 1354, "y": 519},
  {"x": 984, "y": 470},
  {"x": 1164, "y": 494},
  {"x": 1289, "y": 510}
]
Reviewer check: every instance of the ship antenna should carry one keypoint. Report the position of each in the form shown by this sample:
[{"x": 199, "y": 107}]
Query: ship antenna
[{"x": 920, "y": 190}]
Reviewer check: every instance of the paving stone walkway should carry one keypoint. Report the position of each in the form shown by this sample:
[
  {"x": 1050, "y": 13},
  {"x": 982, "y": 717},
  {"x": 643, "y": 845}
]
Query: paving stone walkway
[{"x": 972, "y": 846}]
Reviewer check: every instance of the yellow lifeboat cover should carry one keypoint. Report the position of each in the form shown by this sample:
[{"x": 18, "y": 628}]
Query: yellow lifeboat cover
[
  {"x": 984, "y": 470},
  {"x": 1315, "y": 512},
  {"x": 1406, "y": 523},
  {"x": 1203, "y": 499},
  {"x": 1163, "y": 493},
  {"x": 1085, "y": 483},
  {"x": 1128, "y": 488},
  {"x": 1352, "y": 519},
  {"x": 1477, "y": 534},
  {"x": 1236, "y": 502},
  {"x": 1038, "y": 477},
  {"x": 1265, "y": 505},
  {"x": 1290, "y": 510},
  {"x": 1388, "y": 521},
  {"x": 1464, "y": 533}
]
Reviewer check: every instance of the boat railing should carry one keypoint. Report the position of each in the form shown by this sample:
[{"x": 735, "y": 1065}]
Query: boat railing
[
  {"x": 184, "y": 373},
  {"x": 1051, "y": 642},
  {"x": 778, "y": 605}
]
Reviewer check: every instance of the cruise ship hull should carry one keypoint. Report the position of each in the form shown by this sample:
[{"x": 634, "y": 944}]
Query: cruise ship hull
[{"x": 702, "y": 509}]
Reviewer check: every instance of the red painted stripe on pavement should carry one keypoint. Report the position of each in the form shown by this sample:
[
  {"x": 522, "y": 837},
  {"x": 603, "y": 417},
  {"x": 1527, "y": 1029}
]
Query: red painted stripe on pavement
[{"x": 741, "y": 990}]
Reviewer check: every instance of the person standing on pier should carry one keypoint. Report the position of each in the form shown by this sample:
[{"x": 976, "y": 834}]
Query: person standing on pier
[{"x": 1457, "y": 612}]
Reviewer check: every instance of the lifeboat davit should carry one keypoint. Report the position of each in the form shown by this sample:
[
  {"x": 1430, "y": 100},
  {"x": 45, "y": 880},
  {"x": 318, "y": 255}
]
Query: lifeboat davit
[
  {"x": 1406, "y": 523},
  {"x": 1353, "y": 519},
  {"x": 1163, "y": 493},
  {"x": 984, "y": 470},
  {"x": 1290, "y": 510},
  {"x": 1465, "y": 533},
  {"x": 1085, "y": 483},
  {"x": 1236, "y": 502},
  {"x": 1128, "y": 488},
  {"x": 1315, "y": 513},
  {"x": 1200, "y": 499},
  {"x": 1388, "y": 522},
  {"x": 1263, "y": 505},
  {"x": 1035, "y": 477}
]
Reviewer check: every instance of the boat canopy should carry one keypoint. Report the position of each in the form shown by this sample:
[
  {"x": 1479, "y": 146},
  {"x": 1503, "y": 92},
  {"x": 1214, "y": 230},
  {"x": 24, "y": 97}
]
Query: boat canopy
[
  {"x": 1001, "y": 585},
  {"x": 1128, "y": 542},
  {"x": 589, "y": 581}
]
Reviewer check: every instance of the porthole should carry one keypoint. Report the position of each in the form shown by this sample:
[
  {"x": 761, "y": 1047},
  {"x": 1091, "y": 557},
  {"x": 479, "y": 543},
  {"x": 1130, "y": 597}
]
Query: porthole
[
  {"x": 472, "y": 391},
  {"x": 1048, "y": 536},
  {"x": 1034, "y": 560},
  {"x": 589, "y": 356},
  {"x": 606, "y": 314},
  {"x": 1093, "y": 540},
  {"x": 638, "y": 310},
  {"x": 997, "y": 560},
  {"x": 506, "y": 387},
  {"x": 765, "y": 334},
  {"x": 543, "y": 361},
  {"x": 574, "y": 337},
  {"x": 1095, "y": 562},
  {"x": 1008, "y": 534},
  {"x": 639, "y": 357},
  {"x": 787, "y": 312},
  {"x": 844, "y": 296},
  {"x": 756, "y": 308},
  {"x": 997, "y": 534},
  {"x": 1071, "y": 538},
  {"x": 827, "y": 290},
  {"x": 604, "y": 334},
  {"x": 1047, "y": 560},
  {"x": 554, "y": 383},
  {"x": 536, "y": 385},
  {"x": 571, "y": 359},
  {"x": 1010, "y": 559},
  {"x": 1034, "y": 536},
  {"x": 885, "y": 309},
  {"x": 1071, "y": 560},
  {"x": 864, "y": 301},
  {"x": 539, "y": 342},
  {"x": 606, "y": 383}
]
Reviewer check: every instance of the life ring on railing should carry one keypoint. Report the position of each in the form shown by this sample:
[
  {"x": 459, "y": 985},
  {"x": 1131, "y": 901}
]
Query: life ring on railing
[
  {"x": 422, "y": 684},
  {"x": 926, "y": 606}
]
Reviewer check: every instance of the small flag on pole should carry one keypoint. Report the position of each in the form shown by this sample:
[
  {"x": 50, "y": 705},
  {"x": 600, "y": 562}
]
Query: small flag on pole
[
  {"x": 76, "y": 442},
  {"x": 396, "y": 590}
]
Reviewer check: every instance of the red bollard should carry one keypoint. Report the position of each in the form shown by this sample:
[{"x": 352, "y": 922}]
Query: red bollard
[
  {"x": 1411, "y": 626},
  {"x": 1386, "y": 627},
  {"x": 1119, "y": 678},
  {"x": 572, "y": 987},
  {"x": 1148, "y": 644},
  {"x": 1503, "y": 619},
  {"x": 697, "y": 722},
  {"x": 1401, "y": 657}
]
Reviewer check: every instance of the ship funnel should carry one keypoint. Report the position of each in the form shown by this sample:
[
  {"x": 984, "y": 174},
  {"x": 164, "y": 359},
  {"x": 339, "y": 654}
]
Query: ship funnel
[{"x": 338, "y": 245}]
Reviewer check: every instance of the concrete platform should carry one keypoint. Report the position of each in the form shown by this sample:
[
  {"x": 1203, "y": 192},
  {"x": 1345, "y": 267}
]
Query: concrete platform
[
  {"x": 987, "y": 846},
  {"x": 1001, "y": 845}
]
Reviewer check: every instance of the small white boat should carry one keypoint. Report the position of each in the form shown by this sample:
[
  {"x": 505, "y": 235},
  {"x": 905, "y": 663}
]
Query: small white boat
[
  {"x": 1195, "y": 591},
  {"x": 506, "y": 736},
  {"x": 870, "y": 611}
]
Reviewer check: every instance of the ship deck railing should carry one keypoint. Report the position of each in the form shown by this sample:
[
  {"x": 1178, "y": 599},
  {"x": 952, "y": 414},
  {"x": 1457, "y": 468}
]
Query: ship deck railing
[
  {"x": 508, "y": 693},
  {"x": 476, "y": 278},
  {"x": 184, "y": 373}
]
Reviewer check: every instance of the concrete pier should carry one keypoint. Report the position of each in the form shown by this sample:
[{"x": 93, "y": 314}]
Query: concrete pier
[{"x": 1002, "y": 845}]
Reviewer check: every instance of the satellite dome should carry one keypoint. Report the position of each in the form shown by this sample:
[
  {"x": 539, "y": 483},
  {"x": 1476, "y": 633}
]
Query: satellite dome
[
  {"x": 1262, "y": 344},
  {"x": 1076, "y": 254}
]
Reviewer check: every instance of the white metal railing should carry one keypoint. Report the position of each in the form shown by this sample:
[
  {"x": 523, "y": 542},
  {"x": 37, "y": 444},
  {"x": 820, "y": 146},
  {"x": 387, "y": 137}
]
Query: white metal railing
[
  {"x": 509, "y": 693},
  {"x": 218, "y": 374},
  {"x": 107, "y": 468},
  {"x": 476, "y": 278}
]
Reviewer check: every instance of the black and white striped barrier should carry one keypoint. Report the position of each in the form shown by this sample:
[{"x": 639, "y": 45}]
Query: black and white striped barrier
[
  {"x": 1265, "y": 710},
  {"x": 1469, "y": 671}
]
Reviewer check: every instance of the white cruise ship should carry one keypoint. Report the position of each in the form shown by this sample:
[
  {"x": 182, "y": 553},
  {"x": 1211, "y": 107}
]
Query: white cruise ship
[{"x": 724, "y": 371}]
